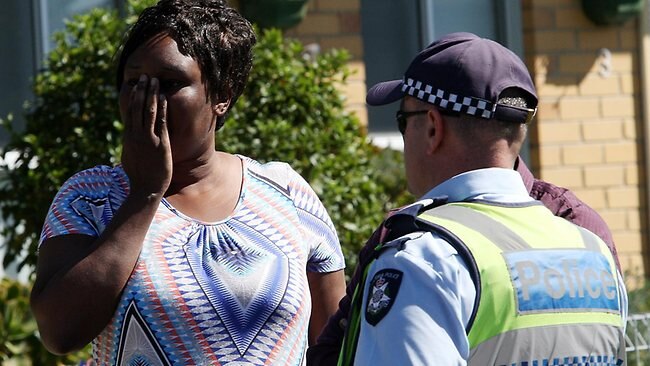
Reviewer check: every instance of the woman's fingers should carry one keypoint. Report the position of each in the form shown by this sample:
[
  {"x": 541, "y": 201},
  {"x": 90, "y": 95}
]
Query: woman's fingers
[
  {"x": 136, "y": 107},
  {"x": 146, "y": 154},
  {"x": 128, "y": 121},
  {"x": 160, "y": 129},
  {"x": 146, "y": 109},
  {"x": 151, "y": 108}
]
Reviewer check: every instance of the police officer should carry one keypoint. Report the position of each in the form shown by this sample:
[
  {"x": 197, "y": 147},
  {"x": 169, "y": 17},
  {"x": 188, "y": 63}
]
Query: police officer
[{"x": 476, "y": 272}]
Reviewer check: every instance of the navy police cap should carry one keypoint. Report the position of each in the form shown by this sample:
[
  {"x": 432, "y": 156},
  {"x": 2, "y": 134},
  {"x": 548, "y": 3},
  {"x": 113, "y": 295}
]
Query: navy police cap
[{"x": 463, "y": 73}]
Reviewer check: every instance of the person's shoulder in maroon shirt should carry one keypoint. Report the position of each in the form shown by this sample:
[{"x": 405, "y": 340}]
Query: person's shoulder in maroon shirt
[{"x": 561, "y": 201}]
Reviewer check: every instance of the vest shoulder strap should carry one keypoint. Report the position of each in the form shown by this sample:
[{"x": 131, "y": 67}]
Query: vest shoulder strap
[{"x": 407, "y": 220}]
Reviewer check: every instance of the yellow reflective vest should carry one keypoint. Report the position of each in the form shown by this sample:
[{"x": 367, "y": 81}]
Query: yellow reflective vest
[{"x": 548, "y": 290}]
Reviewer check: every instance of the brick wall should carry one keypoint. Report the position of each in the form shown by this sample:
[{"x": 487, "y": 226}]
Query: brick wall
[{"x": 588, "y": 136}]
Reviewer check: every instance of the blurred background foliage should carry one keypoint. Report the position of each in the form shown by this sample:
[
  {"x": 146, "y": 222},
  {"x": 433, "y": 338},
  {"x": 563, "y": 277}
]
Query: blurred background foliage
[
  {"x": 292, "y": 110},
  {"x": 19, "y": 341}
]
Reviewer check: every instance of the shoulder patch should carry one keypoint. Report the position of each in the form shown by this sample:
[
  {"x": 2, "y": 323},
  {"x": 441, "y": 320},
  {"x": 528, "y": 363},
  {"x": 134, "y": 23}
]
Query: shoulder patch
[{"x": 382, "y": 293}]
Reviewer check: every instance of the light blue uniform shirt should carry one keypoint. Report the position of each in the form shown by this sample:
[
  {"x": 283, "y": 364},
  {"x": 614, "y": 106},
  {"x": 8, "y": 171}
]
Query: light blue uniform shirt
[{"x": 427, "y": 320}]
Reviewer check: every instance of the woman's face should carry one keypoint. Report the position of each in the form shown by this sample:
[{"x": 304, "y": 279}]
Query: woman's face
[{"x": 191, "y": 115}]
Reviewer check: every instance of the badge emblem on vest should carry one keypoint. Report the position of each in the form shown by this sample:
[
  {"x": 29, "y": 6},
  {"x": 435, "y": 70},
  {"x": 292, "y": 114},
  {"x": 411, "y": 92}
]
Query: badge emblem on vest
[{"x": 383, "y": 292}]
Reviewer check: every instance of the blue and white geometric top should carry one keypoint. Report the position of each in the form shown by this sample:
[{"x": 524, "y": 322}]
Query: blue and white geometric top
[{"x": 232, "y": 292}]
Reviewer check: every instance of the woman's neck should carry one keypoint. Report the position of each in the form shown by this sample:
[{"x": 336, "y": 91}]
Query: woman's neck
[
  {"x": 207, "y": 171},
  {"x": 209, "y": 191}
]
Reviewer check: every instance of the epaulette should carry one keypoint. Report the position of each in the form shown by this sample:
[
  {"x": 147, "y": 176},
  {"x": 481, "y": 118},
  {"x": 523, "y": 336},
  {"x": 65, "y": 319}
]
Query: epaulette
[{"x": 404, "y": 221}]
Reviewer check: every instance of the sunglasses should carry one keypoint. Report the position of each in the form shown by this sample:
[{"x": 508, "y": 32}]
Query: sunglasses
[{"x": 401, "y": 117}]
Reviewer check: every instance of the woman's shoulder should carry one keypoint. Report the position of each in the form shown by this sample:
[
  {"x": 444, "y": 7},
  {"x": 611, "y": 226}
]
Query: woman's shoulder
[
  {"x": 278, "y": 172},
  {"x": 98, "y": 178},
  {"x": 101, "y": 173}
]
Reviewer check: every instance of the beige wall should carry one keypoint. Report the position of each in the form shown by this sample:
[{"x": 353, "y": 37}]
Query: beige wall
[{"x": 588, "y": 132}]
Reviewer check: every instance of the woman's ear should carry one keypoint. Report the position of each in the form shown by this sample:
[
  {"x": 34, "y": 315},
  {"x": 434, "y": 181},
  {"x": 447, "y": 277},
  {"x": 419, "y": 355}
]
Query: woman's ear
[{"x": 221, "y": 108}]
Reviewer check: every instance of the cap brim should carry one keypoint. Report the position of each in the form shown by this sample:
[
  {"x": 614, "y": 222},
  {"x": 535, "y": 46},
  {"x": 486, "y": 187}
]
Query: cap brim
[{"x": 385, "y": 92}]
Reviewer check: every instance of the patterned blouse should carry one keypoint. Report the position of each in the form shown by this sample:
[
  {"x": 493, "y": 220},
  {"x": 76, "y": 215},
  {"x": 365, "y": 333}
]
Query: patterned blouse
[{"x": 232, "y": 292}]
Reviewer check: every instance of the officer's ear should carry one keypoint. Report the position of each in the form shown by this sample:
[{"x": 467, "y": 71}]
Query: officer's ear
[{"x": 435, "y": 130}]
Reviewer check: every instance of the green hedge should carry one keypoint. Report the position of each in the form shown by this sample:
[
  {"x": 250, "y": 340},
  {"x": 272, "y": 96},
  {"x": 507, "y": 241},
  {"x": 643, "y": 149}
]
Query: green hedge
[{"x": 19, "y": 340}]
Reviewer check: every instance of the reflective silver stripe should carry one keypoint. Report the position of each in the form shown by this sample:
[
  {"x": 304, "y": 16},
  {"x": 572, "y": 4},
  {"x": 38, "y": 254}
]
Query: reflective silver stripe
[
  {"x": 585, "y": 341},
  {"x": 497, "y": 233},
  {"x": 589, "y": 238}
]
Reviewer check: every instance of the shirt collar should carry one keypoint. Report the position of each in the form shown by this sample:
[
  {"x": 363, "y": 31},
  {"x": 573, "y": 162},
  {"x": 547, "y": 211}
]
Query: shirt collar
[{"x": 498, "y": 184}]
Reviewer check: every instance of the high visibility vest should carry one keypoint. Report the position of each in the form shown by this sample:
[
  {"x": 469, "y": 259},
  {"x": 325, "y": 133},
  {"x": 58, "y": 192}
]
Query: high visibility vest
[{"x": 547, "y": 290}]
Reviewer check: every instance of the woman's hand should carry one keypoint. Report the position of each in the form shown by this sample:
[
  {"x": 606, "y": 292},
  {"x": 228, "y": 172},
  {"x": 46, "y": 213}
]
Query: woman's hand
[
  {"x": 76, "y": 266},
  {"x": 146, "y": 150}
]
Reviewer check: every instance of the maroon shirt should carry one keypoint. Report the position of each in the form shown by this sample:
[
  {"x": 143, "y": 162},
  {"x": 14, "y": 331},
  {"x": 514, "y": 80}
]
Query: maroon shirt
[{"x": 562, "y": 202}]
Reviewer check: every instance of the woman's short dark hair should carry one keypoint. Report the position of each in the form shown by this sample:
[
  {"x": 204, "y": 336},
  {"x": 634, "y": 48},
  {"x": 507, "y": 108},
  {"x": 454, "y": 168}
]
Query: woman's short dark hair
[{"x": 216, "y": 36}]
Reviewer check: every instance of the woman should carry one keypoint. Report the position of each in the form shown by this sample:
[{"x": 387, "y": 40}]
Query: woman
[{"x": 184, "y": 255}]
